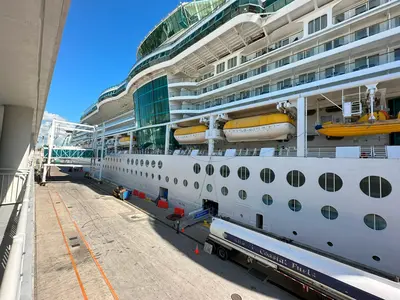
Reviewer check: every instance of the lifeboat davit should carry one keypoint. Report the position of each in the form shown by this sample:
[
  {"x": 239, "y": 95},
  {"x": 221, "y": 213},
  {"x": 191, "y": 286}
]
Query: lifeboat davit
[
  {"x": 260, "y": 128},
  {"x": 191, "y": 135},
  {"x": 382, "y": 125}
]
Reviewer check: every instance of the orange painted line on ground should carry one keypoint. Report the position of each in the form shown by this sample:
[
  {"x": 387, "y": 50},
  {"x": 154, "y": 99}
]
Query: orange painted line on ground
[
  {"x": 91, "y": 252},
  {"x": 69, "y": 252}
]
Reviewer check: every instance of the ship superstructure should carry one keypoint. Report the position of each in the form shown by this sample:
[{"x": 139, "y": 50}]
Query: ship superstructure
[{"x": 282, "y": 114}]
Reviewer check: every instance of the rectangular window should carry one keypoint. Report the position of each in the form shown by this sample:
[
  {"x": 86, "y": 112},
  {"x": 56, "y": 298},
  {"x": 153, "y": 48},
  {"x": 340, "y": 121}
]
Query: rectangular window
[
  {"x": 360, "y": 63},
  {"x": 373, "y": 60},
  {"x": 329, "y": 72},
  {"x": 232, "y": 62},
  {"x": 360, "y": 34},
  {"x": 340, "y": 69},
  {"x": 220, "y": 67},
  {"x": 317, "y": 24},
  {"x": 231, "y": 98},
  {"x": 374, "y": 29},
  {"x": 244, "y": 94},
  {"x": 339, "y": 18},
  {"x": 397, "y": 54},
  {"x": 338, "y": 42},
  {"x": 361, "y": 9},
  {"x": 229, "y": 81},
  {"x": 242, "y": 76}
]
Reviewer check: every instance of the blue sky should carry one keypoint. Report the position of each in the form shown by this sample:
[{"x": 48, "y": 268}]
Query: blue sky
[{"x": 98, "y": 49}]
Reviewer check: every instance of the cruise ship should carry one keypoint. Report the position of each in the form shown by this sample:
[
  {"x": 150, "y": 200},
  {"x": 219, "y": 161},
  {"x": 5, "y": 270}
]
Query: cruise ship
[{"x": 283, "y": 116}]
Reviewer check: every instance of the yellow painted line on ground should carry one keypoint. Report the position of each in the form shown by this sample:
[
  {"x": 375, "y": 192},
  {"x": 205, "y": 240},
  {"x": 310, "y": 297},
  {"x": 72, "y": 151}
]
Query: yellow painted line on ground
[
  {"x": 69, "y": 252},
  {"x": 114, "y": 294}
]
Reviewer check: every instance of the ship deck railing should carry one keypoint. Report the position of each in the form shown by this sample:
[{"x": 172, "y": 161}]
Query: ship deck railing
[{"x": 372, "y": 152}]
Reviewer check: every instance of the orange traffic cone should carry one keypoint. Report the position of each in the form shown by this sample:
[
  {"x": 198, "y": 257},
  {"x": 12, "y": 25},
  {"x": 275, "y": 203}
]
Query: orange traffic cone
[
  {"x": 196, "y": 251},
  {"x": 183, "y": 230}
]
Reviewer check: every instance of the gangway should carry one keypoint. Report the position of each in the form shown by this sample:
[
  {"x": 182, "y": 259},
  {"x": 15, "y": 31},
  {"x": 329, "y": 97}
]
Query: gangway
[{"x": 66, "y": 155}]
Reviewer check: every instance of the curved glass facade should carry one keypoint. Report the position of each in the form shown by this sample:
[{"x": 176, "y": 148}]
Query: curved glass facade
[
  {"x": 151, "y": 108},
  {"x": 184, "y": 16},
  {"x": 236, "y": 8}
]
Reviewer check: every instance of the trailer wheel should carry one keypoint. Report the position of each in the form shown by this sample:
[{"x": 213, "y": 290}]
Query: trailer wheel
[{"x": 222, "y": 253}]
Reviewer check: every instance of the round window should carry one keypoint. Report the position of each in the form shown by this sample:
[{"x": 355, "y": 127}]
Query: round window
[
  {"x": 196, "y": 168},
  {"x": 176, "y": 180},
  {"x": 209, "y": 170},
  {"x": 294, "y": 205},
  {"x": 330, "y": 182},
  {"x": 167, "y": 179},
  {"x": 185, "y": 183},
  {"x": 224, "y": 190},
  {"x": 375, "y": 186},
  {"x": 141, "y": 162},
  {"x": 209, "y": 188},
  {"x": 196, "y": 185},
  {"x": 296, "y": 178},
  {"x": 127, "y": 161},
  {"x": 243, "y": 173},
  {"x": 267, "y": 199},
  {"x": 159, "y": 164},
  {"x": 153, "y": 164},
  {"x": 329, "y": 212},
  {"x": 147, "y": 163},
  {"x": 242, "y": 195},
  {"x": 267, "y": 175},
  {"x": 375, "y": 222},
  {"x": 224, "y": 171}
]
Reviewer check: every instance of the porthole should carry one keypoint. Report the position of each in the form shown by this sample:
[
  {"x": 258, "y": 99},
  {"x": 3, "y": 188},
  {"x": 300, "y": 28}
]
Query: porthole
[
  {"x": 242, "y": 194},
  {"x": 267, "y": 175},
  {"x": 136, "y": 161},
  {"x": 147, "y": 174},
  {"x": 123, "y": 170},
  {"x": 152, "y": 176},
  {"x": 243, "y": 173},
  {"x": 296, "y": 178},
  {"x": 159, "y": 164},
  {"x": 294, "y": 205},
  {"x": 330, "y": 244},
  {"x": 224, "y": 190},
  {"x": 176, "y": 180},
  {"x": 294, "y": 232},
  {"x": 166, "y": 178},
  {"x": 209, "y": 169},
  {"x": 141, "y": 162},
  {"x": 330, "y": 182},
  {"x": 159, "y": 177},
  {"x": 375, "y": 186},
  {"x": 267, "y": 199},
  {"x": 135, "y": 172},
  {"x": 141, "y": 173},
  {"x": 224, "y": 171},
  {"x": 132, "y": 161},
  {"x": 196, "y": 168},
  {"x": 127, "y": 161},
  {"x": 196, "y": 185},
  {"x": 209, "y": 188},
  {"x": 153, "y": 163},
  {"x": 127, "y": 171},
  {"x": 375, "y": 222},
  {"x": 120, "y": 169},
  {"x": 329, "y": 212},
  {"x": 376, "y": 258},
  {"x": 120, "y": 160},
  {"x": 185, "y": 182},
  {"x": 147, "y": 163}
]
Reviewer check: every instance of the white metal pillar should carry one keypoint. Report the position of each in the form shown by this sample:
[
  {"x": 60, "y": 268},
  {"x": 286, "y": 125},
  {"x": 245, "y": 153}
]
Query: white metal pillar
[
  {"x": 167, "y": 134},
  {"x": 102, "y": 151},
  {"x": 211, "y": 126},
  {"x": 115, "y": 144},
  {"x": 372, "y": 90},
  {"x": 130, "y": 142},
  {"x": 301, "y": 127}
]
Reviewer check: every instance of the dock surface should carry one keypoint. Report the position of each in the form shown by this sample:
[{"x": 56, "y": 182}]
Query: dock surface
[{"x": 90, "y": 245}]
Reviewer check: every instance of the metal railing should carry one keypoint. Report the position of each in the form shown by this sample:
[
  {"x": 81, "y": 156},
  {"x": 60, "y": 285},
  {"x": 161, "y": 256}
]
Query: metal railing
[
  {"x": 11, "y": 185},
  {"x": 19, "y": 262}
]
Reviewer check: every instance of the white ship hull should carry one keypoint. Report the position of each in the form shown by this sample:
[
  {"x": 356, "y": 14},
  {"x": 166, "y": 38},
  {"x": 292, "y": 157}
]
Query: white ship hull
[
  {"x": 312, "y": 228},
  {"x": 279, "y": 131}
]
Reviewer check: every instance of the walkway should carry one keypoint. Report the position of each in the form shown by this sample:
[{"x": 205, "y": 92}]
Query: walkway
[{"x": 92, "y": 246}]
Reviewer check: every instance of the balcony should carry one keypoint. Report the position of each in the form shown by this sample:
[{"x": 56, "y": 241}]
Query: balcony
[
  {"x": 325, "y": 47},
  {"x": 359, "y": 9},
  {"x": 339, "y": 69}
]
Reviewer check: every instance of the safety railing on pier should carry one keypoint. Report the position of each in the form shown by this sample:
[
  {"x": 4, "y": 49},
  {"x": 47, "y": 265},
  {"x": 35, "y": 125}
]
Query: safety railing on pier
[
  {"x": 11, "y": 185},
  {"x": 17, "y": 279}
]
